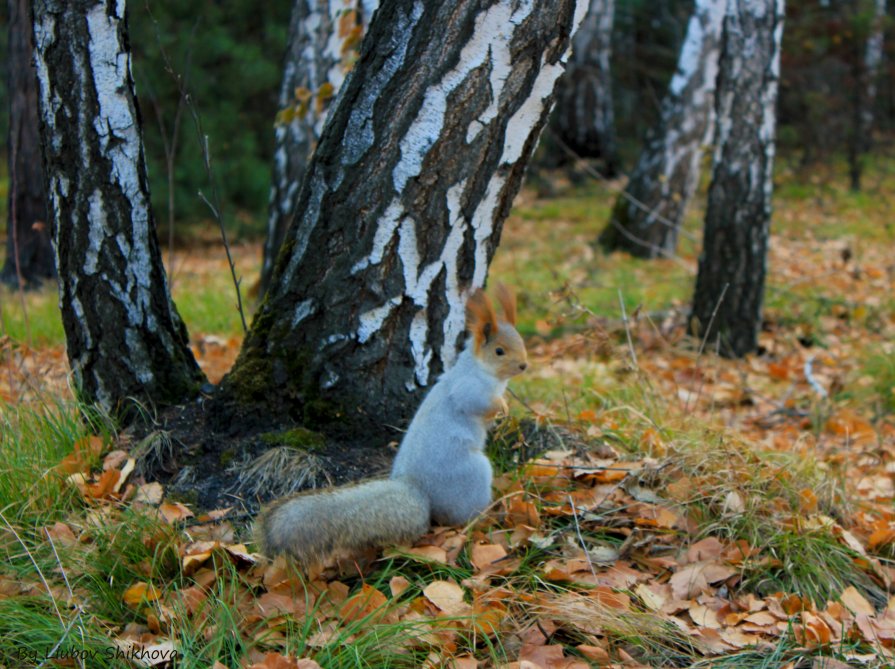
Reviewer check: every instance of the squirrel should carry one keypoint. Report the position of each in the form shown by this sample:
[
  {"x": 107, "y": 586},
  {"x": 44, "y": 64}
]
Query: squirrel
[{"x": 440, "y": 473}]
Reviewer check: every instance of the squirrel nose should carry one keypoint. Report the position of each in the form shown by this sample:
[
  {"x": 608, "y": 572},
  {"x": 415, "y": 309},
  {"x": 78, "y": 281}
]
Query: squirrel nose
[{"x": 522, "y": 366}]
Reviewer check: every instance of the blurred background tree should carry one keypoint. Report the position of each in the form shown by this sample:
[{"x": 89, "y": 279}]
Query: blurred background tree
[{"x": 231, "y": 58}]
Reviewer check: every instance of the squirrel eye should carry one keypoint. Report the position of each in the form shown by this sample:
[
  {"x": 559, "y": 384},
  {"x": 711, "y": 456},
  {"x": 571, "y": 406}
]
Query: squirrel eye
[{"x": 499, "y": 351}]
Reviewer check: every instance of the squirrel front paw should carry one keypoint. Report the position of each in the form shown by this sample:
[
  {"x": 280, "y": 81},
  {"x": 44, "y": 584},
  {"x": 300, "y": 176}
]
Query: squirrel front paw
[{"x": 499, "y": 407}]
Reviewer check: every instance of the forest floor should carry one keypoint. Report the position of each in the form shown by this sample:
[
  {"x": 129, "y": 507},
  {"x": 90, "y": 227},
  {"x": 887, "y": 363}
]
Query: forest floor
[{"x": 688, "y": 510}]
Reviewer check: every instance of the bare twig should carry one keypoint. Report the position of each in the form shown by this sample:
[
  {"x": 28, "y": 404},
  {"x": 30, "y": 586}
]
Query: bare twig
[
  {"x": 71, "y": 594},
  {"x": 708, "y": 329},
  {"x": 652, "y": 213},
  {"x": 590, "y": 564},
  {"x": 217, "y": 215},
  {"x": 215, "y": 204},
  {"x": 627, "y": 325},
  {"x": 812, "y": 380},
  {"x": 36, "y": 567}
]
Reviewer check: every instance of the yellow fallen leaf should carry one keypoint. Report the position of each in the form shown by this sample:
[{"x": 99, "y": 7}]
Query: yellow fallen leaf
[
  {"x": 362, "y": 604},
  {"x": 139, "y": 593}
]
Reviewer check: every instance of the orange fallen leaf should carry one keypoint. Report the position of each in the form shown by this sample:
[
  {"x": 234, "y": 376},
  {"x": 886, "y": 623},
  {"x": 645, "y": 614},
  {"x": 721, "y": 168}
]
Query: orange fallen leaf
[
  {"x": 484, "y": 555},
  {"x": 174, "y": 511},
  {"x": 106, "y": 484},
  {"x": 595, "y": 653},
  {"x": 362, "y": 604},
  {"x": 882, "y": 536}
]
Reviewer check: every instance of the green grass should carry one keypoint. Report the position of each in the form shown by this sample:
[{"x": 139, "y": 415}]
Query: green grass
[
  {"x": 879, "y": 368},
  {"x": 206, "y": 303},
  {"x": 119, "y": 547},
  {"x": 565, "y": 271},
  {"x": 37, "y": 322}
]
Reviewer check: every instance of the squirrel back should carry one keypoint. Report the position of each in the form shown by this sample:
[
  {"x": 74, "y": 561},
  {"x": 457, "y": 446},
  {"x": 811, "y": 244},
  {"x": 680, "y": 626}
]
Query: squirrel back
[{"x": 440, "y": 471}]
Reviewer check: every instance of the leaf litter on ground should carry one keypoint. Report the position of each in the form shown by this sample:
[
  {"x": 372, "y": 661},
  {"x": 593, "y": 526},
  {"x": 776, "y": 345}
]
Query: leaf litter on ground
[{"x": 693, "y": 518}]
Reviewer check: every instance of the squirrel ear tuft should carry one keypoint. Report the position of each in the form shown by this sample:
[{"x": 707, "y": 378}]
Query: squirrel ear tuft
[
  {"x": 481, "y": 321},
  {"x": 507, "y": 300}
]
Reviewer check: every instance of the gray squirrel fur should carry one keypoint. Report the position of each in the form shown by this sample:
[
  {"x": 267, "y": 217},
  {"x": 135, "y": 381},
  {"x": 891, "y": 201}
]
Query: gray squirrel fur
[{"x": 440, "y": 473}]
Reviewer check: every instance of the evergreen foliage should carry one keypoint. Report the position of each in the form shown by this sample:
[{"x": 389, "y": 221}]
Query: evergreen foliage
[{"x": 229, "y": 56}]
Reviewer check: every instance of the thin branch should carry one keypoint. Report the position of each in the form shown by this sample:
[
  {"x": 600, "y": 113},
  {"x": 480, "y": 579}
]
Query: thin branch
[
  {"x": 220, "y": 220},
  {"x": 627, "y": 325},
  {"x": 36, "y": 568},
  {"x": 77, "y": 608},
  {"x": 590, "y": 564},
  {"x": 705, "y": 337},
  {"x": 209, "y": 172},
  {"x": 708, "y": 328}
]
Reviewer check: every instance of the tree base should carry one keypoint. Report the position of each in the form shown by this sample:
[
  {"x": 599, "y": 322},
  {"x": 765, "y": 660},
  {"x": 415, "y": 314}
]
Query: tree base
[{"x": 212, "y": 455}]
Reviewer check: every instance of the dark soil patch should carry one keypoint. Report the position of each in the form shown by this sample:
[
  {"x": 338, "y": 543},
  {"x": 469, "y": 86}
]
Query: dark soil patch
[{"x": 198, "y": 451}]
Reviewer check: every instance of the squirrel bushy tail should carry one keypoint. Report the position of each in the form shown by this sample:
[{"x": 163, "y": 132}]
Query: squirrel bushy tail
[{"x": 316, "y": 525}]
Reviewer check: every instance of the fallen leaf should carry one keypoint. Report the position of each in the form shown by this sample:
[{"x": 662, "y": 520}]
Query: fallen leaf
[
  {"x": 174, "y": 511},
  {"x": 150, "y": 493},
  {"x": 139, "y": 593},
  {"x": 484, "y": 555},
  {"x": 693, "y": 579},
  {"x": 397, "y": 585},
  {"x": 363, "y": 604},
  {"x": 856, "y": 602},
  {"x": 448, "y": 597}
]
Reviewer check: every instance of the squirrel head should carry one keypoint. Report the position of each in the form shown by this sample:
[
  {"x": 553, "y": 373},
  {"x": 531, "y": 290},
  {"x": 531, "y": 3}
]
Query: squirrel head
[{"x": 495, "y": 343}]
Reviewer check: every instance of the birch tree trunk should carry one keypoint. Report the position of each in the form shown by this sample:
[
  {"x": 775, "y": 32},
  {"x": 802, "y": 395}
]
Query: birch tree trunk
[
  {"x": 584, "y": 118},
  {"x": 647, "y": 217},
  {"x": 324, "y": 38},
  {"x": 29, "y": 251},
  {"x": 124, "y": 337},
  {"x": 402, "y": 209},
  {"x": 866, "y": 70},
  {"x": 727, "y": 305}
]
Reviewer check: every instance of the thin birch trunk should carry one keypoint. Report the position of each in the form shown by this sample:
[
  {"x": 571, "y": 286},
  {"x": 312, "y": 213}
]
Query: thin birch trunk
[
  {"x": 125, "y": 339},
  {"x": 727, "y": 305},
  {"x": 584, "y": 118},
  {"x": 29, "y": 249}
]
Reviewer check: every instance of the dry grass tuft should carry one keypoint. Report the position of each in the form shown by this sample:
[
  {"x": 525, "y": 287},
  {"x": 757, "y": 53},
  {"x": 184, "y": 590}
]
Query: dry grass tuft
[{"x": 281, "y": 471}]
